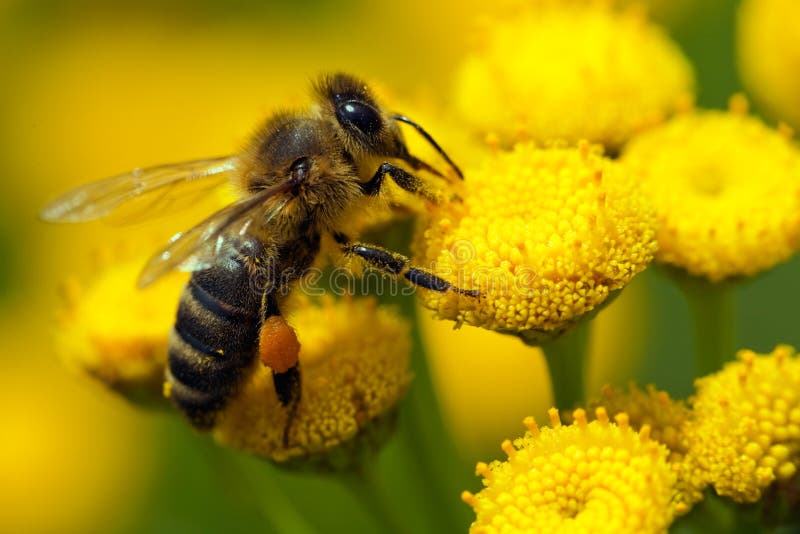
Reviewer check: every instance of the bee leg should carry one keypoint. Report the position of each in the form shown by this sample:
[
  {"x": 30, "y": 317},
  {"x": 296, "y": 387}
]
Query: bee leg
[
  {"x": 401, "y": 177},
  {"x": 287, "y": 386},
  {"x": 279, "y": 349},
  {"x": 399, "y": 265}
]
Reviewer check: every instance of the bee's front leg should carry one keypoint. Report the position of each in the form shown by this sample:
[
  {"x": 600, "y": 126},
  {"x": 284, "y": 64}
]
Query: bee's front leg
[
  {"x": 398, "y": 265},
  {"x": 401, "y": 177}
]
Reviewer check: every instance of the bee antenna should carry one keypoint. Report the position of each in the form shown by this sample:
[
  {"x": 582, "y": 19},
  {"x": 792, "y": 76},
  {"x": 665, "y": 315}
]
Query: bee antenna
[{"x": 433, "y": 143}]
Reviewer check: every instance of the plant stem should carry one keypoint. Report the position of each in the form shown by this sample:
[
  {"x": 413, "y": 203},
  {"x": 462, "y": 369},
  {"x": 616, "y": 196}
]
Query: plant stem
[
  {"x": 441, "y": 472},
  {"x": 566, "y": 360},
  {"x": 713, "y": 315},
  {"x": 263, "y": 494},
  {"x": 365, "y": 485}
]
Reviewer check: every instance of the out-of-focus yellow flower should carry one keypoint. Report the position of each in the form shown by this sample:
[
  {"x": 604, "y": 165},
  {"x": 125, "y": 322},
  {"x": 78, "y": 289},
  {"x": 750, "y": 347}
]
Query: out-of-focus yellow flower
[
  {"x": 118, "y": 333},
  {"x": 726, "y": 189},
  {"x": 585, "y": 477},
  {"x": 545, "y": 235},
  {"x": 768, "y": 46},
  {"x": 745, "y": 429},
  {"x": 571, "y": 70},
  {"x": 354, "y": 356}
]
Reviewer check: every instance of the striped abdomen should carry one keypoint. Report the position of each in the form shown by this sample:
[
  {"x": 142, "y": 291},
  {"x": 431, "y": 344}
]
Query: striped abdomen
[{"x": 215, "y": 338}]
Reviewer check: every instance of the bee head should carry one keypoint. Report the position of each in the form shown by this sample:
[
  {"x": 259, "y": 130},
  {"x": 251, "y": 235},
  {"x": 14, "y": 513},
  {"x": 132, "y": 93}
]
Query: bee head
[{"x": 364, "y": 126}]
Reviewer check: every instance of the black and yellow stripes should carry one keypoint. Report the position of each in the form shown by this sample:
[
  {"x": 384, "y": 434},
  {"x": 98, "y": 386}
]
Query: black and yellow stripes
[{"x": 215, "y": 338}]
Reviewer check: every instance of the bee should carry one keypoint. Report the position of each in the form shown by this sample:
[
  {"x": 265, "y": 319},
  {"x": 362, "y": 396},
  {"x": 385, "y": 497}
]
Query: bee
[{"x": 300, "y": 174}]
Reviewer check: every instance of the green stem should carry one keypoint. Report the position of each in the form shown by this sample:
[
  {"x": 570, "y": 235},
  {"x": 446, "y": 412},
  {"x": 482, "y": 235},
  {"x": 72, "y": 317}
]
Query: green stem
[
  {"x": 566, "y": 360},
  {"x": 713, "y": 315},
  {"x": 441, "y": 473},
  {"x": 427, "y": 457},
  {"x": 263, "y": 494},
  {"x": 367, "y": 488}
]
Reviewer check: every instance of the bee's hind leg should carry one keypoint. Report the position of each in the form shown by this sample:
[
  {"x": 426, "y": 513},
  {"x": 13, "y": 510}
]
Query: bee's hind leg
[
  {"x": 279, "y": 350},
  {"x": 400, "y": 266},
  {"x": 287, "y": 386}
]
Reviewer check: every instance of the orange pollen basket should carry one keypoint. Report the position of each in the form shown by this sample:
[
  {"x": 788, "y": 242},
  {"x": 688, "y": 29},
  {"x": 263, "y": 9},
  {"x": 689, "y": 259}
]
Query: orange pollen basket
[{"x": 278, "y": 346}]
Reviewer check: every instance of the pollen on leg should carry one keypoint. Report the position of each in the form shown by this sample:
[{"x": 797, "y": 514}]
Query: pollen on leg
[{"x": 278, "y": 347}]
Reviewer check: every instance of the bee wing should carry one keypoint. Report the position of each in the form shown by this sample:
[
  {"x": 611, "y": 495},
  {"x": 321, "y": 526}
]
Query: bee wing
[
  {"x": 100, "y": 198},
  {"x": 197, "y": 248}
]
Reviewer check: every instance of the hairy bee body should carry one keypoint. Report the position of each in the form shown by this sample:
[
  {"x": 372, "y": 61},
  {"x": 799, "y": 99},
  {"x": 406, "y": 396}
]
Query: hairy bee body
[{"x": 299, "y": 175}]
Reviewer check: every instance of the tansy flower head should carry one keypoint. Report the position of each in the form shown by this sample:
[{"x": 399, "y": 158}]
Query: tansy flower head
[
  {"x": 585, "y": 477},
  {"x": 117, "y": 332},
  {"x": 354, "y": 355},
  {"x": 745, "y": 429},
  {"x": 768, "y": 41},
  {"x": 726, "y": 189},
  {"x": 545, "y": 235},
  {"x": 571, "y": 70}
]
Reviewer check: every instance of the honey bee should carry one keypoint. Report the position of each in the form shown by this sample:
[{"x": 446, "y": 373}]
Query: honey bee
[{"x": 300, "y": 173}]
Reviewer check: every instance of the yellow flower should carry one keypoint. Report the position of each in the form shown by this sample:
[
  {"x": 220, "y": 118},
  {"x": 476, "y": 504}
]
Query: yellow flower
[
  {"x": 545, "y": 235},
  {"x": 726, "y": 189},
  {"x": 745, "y": 429},
  {"x": 571, "y": 70},
  {"x": 118, "y": 333},
  {"x": 354, "y": 356},
  {"x": 586, "y": 477},
  {"x": 768, "y": 43}
]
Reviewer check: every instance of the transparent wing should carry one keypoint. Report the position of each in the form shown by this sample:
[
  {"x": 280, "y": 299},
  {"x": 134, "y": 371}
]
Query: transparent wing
[
  {"x": 197, "y": 248},
  {"x": 154, "y": 188}
]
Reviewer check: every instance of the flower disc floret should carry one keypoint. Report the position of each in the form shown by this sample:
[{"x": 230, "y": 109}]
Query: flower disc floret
[
  {"x": 354, "y": 356},
  {"x": 571, "y": 70},
  {"x": 586, "y": 477},
  {"x": 726, "y": 189},
  {"x": 544, "y": 234}
]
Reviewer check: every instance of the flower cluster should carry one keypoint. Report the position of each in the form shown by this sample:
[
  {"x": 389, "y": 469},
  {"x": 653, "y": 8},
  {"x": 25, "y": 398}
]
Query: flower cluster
[{"x": 740, "y": 433}]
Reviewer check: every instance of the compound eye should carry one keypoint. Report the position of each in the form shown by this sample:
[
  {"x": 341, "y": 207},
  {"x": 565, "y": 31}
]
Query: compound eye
[
  {"x": 300, "y": 169},
  {"x": 361, "y": 115}
]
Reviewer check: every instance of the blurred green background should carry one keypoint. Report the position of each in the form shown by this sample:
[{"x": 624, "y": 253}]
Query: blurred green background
[{"x": 94, "y": 88}]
